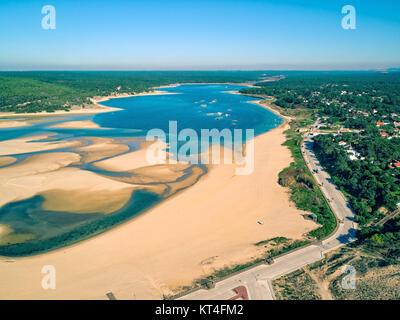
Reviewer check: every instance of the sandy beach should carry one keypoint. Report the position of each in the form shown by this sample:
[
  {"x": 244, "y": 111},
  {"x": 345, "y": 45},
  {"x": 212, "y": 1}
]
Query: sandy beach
[
  {"x": 266, "y": 105},
  {"x": 208, "y": 226},
  {"x": 91, "y": 109},
  {"x": 262, "y": 103}
]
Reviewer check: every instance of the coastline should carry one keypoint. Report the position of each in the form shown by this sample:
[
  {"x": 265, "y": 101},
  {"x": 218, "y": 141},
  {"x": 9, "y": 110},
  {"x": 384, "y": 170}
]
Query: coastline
[
  {"x": 75, "y": 110},
  {"x": 98, "y": 108},
  {"x": 251, "y": 85},
  {"x": 167, "y": 247},
  {"x": 264, "y": 105}
]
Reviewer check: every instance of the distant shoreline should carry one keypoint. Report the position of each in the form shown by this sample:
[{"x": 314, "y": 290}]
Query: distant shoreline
[
  {"x": 98, "y": 108},
  {"x": 265, "y": 106}
]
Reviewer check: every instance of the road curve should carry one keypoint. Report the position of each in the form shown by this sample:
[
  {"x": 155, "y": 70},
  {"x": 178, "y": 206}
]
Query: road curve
[{"x": 257, "y": 280}]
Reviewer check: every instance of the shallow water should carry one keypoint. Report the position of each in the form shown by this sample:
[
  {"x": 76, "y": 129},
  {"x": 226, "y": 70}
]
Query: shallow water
[{"x": 196, "y": 107}]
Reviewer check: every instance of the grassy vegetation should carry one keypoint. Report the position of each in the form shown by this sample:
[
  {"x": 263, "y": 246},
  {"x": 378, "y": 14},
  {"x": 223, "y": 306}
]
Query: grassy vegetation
[
  {"x": 304, "y": 191},
  {"x": 297, "y": 285},
  {"x": 374, "y": 279},
  {"x": 273, "y": 241},
  {"x": 280, "y": 245},
  {"x": 287, "y": 248}
]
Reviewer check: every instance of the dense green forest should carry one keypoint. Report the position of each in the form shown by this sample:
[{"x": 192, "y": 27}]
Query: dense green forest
[
  {"x": 59, "y": 90},
  {"x": 359, "y": 142}
]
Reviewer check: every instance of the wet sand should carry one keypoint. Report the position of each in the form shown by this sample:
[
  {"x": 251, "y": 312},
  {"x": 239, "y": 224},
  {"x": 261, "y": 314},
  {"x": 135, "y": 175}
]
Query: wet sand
[
  {"x": 100, "y": 148},
  {"x": 211, "y": 225},
  {"x": 33, "y": 144},
  {"x": 48, "y": 172},
  {"x": 4, "y": 161},
  {"x": 134, "y": 160},
  {"x": 208, "y": 226},
  {"x": 84, "y": 124}
]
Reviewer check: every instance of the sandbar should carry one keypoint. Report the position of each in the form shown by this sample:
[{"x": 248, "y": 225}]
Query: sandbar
[
  {"x": 135, "y": 159},
  {"x": 48, "y": 172},
  {"x": 4, "y": 161},
  {"x": 84, "y": 124},
  {"x": 33, "y": 144},
  {"x": 93, "y": 108},
  {"x": 101, "y": 148},
  {"x": 165, "y": 248}
]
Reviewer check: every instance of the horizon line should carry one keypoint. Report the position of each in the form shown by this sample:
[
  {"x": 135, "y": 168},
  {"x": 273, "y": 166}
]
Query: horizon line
[{"x": 200, "y": 70}]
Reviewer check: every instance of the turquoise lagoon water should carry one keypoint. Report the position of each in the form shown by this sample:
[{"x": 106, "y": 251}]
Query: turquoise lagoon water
[{"x": 195, "y": 106}]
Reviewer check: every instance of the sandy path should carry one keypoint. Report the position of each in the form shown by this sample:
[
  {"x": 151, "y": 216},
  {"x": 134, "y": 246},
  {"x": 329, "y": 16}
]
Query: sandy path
[{"x": 210, "y": 225}]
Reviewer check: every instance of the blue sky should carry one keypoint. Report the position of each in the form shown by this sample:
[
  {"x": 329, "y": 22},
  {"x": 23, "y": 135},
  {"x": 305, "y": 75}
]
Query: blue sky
[{"x": 218, "y": 34}]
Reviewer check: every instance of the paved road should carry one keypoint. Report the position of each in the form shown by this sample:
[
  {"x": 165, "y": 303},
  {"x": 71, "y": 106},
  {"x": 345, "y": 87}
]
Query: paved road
[{"x": 257, "y": 280}]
